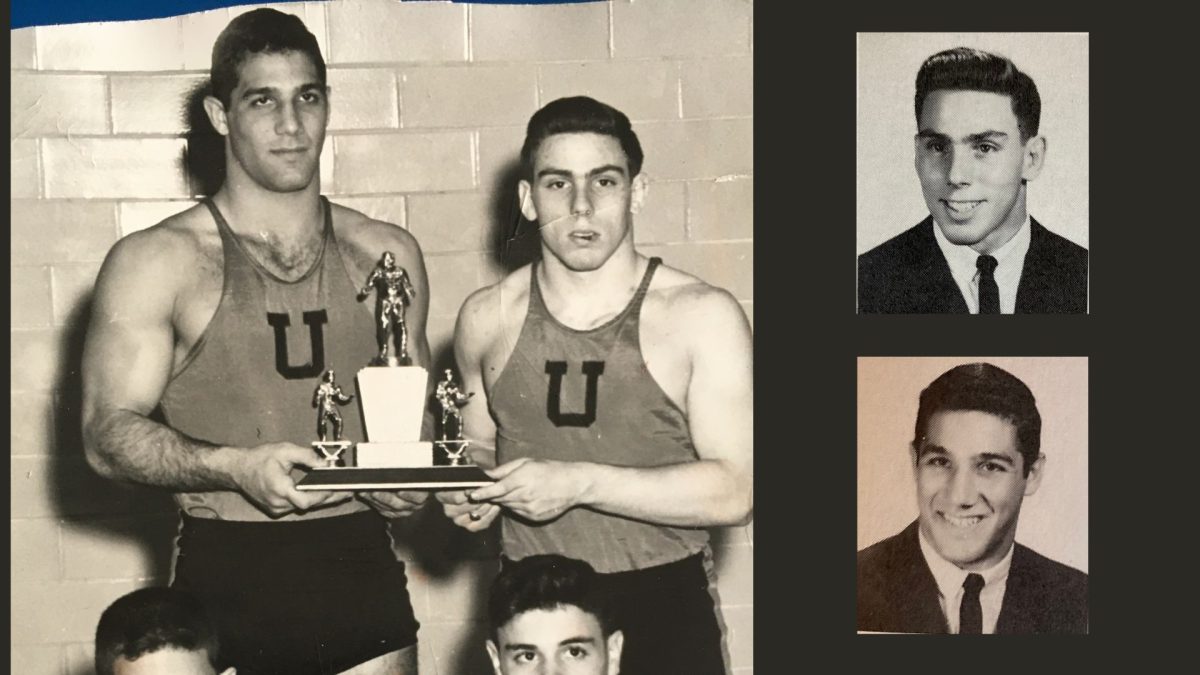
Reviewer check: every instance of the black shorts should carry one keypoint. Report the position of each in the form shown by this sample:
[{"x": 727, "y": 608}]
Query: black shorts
[
  {"x": 298, "y": 597},
  {"x": 668, "y": 618}
]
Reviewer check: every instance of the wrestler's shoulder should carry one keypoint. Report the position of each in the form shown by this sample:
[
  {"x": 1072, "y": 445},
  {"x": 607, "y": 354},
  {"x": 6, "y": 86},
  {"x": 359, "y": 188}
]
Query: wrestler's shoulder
[
  {"x": 682, "y": 295},
  {"x": 372, "y": 236}
]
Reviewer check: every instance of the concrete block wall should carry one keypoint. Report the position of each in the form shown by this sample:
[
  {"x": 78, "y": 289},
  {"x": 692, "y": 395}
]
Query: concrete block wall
[{"x": 429, "y": 102}]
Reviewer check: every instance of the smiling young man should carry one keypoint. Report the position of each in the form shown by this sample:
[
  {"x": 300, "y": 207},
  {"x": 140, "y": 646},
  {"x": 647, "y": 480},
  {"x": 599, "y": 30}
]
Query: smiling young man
[
  {"x": 223, "y": 318},
  {"x": 617, "y": 393},
  {"x": 979, "y": 251},
  {"x": 976, "y": 455},
  {"x": 157, "y": 631},
  {"x": 550, "y": 616}
]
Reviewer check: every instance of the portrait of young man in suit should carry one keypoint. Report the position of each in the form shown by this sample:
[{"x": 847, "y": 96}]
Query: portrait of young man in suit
[
  {"x": 976, "y": 455},
  {"x": 977, "y": 150}
]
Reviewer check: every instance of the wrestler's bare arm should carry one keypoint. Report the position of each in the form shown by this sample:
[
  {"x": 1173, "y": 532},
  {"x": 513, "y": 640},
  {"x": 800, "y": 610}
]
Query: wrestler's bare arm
[
  {"x": 127, "y": 361},
  {"x": 714, "y": 491}
]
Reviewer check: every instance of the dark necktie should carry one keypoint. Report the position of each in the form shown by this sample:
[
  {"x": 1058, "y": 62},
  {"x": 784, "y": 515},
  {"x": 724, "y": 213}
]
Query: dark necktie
[
  {"x": 970, "y": 613},
  {"x": 989, "y": 292}
]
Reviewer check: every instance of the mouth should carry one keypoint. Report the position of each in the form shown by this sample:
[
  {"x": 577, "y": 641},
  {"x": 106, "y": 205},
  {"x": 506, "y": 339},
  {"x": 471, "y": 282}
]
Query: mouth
[
  {"x": 961, "y": 209},
  {"x": 584, "y": 236},
  {"x": 290, "y": 152},
  {"x": 963, "y": 522}
]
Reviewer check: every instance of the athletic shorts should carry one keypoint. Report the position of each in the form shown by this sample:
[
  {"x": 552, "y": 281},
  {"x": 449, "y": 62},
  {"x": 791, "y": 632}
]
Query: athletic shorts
[
  {"x": 668, "y": 618},
  {"x": 298, "y": 597}
]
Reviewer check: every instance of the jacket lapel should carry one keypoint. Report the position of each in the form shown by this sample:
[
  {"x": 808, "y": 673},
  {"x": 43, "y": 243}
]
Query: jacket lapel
[{"x": 932, "y": 285}]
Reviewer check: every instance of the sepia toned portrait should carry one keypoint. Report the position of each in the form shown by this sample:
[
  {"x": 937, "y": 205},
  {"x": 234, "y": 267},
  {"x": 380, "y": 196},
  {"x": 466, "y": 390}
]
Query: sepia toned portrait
[{"x": 972, "y": 495}]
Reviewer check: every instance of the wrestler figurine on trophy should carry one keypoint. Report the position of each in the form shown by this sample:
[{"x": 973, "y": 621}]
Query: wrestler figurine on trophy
[
  {"x": 451, "y": 398},
  {"x": 394, "y": 293},
  {"x": 326, "y": 399},
  {"x": 392, "y": 392}
]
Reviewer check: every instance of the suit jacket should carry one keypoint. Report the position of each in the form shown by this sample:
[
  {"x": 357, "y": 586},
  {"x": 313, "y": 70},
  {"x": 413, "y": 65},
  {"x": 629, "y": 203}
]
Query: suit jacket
[
  {"x": 897, "y": 592},
  {"x": 908, "y": 274}
]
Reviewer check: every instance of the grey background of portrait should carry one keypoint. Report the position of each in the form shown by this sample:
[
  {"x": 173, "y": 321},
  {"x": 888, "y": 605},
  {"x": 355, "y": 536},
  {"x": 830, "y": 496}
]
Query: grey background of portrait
[
  {"x": 888, "y": 193},
  {"x": 1053, "y": 521},
  {"x": 429, "y": 103}
]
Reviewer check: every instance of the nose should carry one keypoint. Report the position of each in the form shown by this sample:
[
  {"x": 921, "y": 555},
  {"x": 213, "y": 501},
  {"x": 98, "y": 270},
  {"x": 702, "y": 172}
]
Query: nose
[
  {"x": 960, "y": 168},
  {"x": 288, "y": 121},
  {"x": 961, "y": 488},
  {"x": 581, "y": 203}
]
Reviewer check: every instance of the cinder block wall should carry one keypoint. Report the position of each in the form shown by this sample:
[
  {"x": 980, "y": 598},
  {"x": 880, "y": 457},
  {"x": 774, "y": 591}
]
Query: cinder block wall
[{"x": 429, "y": 102}]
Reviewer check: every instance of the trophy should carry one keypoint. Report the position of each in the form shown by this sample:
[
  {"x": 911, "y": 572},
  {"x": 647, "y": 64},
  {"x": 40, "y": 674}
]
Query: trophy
[
  {"x": 391, "y": 391},
  {"x": 326, "y": 399},
  {"x": 392, "y": 395}
]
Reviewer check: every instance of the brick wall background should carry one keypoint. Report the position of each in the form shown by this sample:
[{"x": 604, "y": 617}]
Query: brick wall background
[{"x": 429, "y": 103}]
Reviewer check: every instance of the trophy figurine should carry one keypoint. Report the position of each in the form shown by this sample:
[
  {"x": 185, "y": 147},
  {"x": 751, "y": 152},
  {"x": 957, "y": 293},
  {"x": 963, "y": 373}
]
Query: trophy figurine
[
  {"x": 326, "y": 399},
  {"x": 394, "y": 293},
  {"x": 392, "y": 392},
  {"x": 451, "y": 398}
]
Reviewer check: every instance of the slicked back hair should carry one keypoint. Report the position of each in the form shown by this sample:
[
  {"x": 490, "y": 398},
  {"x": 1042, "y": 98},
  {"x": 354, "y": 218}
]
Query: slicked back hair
[
  {"x": 260, "y": 31},
  {"x": 984, "y": 388},
  {"x": 580, "y": 114},
  {"x": 962, "y": 68},
  {"x": 547, "y": 582}
]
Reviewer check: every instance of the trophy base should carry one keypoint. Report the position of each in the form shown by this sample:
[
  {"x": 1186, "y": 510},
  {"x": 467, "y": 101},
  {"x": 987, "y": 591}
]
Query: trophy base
[{"x": 393, "y": 455}]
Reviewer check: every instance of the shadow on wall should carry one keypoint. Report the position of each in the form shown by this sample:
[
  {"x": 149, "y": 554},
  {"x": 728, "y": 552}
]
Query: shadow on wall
[
  {"x": 514, "y": 239},
  {"x": 91, "y": 505},
  {"x": 204, "y": 154}
]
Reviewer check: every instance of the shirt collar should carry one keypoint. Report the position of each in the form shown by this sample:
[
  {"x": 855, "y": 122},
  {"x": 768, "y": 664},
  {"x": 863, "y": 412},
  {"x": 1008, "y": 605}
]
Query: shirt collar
[
  {"x": 950, "y": 577},
  {"x": 961, "y": 257}
]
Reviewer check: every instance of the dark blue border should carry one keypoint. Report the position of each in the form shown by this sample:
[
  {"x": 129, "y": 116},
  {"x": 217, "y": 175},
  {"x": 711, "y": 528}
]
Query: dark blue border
[{"x": 26, "y": 13}]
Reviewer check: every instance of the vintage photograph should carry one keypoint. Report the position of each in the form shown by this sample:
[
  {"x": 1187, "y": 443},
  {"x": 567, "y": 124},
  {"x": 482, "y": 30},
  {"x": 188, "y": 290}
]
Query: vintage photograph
[
  {"x": 377, "y": 336},
  {"x": 972, "y": 495},
  {"x": 981, "y": 140}
]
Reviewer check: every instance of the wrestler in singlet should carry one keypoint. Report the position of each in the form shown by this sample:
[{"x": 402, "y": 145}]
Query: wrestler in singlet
[
  {"x": 315, "y": 592},
  {"x": 587, "y": 396}
]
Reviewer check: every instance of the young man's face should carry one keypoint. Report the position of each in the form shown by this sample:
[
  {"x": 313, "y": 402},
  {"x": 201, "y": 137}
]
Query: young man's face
[
  {"x": 561, "y": 641},
  {"x": 971, "y": 161},
  {"x": 970, "y": 485},
  {"x": 174, "y": 661},
  {"x": 276, "y": 118},
  {"x": 582, "y": 198}
]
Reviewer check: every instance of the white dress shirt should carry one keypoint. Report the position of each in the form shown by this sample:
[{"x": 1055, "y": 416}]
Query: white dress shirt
[
  {"x": 1010, "y": 260},
  {"x": 950, "y": 578}
]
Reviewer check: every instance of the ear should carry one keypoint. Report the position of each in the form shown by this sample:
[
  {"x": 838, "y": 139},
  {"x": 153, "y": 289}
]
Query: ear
[
  {"x": 494, "y": 654},
  {"x": 1034, "y": 479},
  {"x": 615, "y": 643},
  {"x": 216, "y": 114},
  {"x": 524, "y": 194},
  {"x": 637, "y": 196},
  {"x": 1035, "y": 156}
]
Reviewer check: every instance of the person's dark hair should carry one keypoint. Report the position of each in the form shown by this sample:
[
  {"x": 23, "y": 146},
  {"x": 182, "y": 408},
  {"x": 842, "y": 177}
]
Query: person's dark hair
[
  {"x": 971, "y": 69},
  {"x": 546, "y": 582},
  {"x": 985, "y": 388},
  {"x": 260, "y": 31},
  {"x": 580, "y": 114},
  {"x": 150, "y": 619}
]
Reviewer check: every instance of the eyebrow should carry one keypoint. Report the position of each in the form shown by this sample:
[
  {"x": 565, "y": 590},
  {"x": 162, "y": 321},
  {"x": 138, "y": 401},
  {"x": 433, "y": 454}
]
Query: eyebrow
[
  {"x": 257, "y": 91},
  {"x": 931, "y": 449},
  {"x": 989, "y": 135},
  {"x": 551, "y": 171}
]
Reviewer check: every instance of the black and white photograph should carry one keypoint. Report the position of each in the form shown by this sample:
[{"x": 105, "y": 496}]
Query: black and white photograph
[
  {"x": 383, "y": 336},
  {"x": 981, "y": 140},
  {"x": 972, "y": 495}
]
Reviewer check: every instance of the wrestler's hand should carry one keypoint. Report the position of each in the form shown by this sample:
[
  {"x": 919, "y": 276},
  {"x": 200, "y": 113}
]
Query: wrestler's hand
[
  {"x": 459, "y": 509},
  {"x": 264, "y": 474},
  {"x": 535, "y": 489},
  {"x": 394, "y": 504}
]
